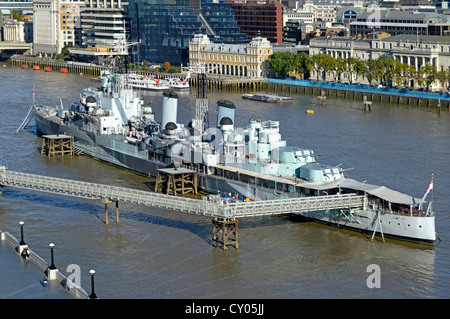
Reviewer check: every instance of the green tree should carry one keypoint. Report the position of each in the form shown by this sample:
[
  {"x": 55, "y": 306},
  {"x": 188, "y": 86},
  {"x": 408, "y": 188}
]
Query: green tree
[
  {"x": 442, "y": 77},
  {"x": 304, "y": 64},
  {"x": 328, "y": 63},
  {"x": 281, "y": 63},
  {"x": 385, "y": 70},
  {"x": 398, "y": 70},
  {"x": 339, "y": 67},
  {"x": 370, "y": 70},
  {"x": 429, "y": 74},
  {"x": 410, "y": 74},
  {"x": 318, "y": 64},
  {"x": 65, "y": 54},
  {"x": 355, "y": 67}
]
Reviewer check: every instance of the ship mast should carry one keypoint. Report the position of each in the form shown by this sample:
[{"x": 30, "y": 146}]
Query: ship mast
[
  {"x": 121, "y": 46},
  {"x": 201, "y": 102}
]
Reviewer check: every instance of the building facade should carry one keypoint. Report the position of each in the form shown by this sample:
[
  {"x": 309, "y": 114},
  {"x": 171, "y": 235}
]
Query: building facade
[
  {"x": 165, "y": 27},
  {"x": 242, "y": 60},
  {"x": 260, "y": 18},
  {"x": 102, "y": 22},
  {"x": 395, "y": 22},
  {"x": 408, "y": 49},
  {"x": 56, "y": 23}
]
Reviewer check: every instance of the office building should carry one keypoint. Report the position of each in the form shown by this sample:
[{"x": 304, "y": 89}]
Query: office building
[
  {"x": 395, "y": 22},
  {"x": 260, "y": 18},
  {"x": 166, "y": 27},
  {"x": 102, "y": 22}
]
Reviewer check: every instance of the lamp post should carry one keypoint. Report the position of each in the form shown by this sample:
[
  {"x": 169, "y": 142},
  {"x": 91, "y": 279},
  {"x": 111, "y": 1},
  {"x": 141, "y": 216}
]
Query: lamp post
[
  {"x": 22, "y": 242},
  {"x": 52, "y": 265},
  {"x": 93, "y": 295}
]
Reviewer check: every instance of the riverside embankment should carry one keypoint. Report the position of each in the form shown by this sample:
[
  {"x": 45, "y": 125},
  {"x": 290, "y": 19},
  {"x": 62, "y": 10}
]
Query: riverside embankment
[{"x": 224, "y": 83}]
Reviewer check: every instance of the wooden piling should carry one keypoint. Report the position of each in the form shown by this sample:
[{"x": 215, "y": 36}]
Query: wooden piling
[
  {"x": 59, "y": 144},
  {"x": 117, "y": 211},
  {"x": 224, "y": 233},
  {"x": 175, "y": 180},
  {"x": 107, "y": 201}
]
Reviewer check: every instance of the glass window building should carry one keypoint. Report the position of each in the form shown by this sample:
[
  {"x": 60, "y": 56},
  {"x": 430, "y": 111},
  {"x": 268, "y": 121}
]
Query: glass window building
[{"x": 165, "y": 27}]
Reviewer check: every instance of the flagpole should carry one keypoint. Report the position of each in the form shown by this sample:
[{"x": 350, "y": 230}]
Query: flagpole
[{"x": 432, "y": 190}]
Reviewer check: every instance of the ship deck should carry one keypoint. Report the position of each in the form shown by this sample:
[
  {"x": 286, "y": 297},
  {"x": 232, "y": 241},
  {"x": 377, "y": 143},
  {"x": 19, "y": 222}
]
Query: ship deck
[{"x": 281, "y": 180}]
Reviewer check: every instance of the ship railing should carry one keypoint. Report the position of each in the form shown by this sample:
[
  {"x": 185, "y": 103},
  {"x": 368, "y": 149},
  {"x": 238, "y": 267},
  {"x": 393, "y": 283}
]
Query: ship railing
[{"x": 293, "y": 205}]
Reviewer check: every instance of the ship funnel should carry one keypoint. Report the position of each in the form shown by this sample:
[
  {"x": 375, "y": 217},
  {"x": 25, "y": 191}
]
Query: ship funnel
[
  {"x": 91, "y": 101},
  {"x": 225, "y": 108},
  {"x": 169, "y": 109}
]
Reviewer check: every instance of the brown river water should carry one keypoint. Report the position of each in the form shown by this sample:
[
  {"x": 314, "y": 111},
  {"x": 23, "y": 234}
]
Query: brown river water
[{"x": 156, "y": 253}]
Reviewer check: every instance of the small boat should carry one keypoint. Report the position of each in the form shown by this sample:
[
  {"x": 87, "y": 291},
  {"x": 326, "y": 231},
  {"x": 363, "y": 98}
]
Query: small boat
[
  {"x": 179, "y": 84},
  {"x": 138, "y": 81},
  {"x": 266, "y": 98},
  {"x": 48, "y": 69},
  {"x": 63, "y": 70},
  {"x": 36, "y": 68},
  {"x": 24, "y": 66}
]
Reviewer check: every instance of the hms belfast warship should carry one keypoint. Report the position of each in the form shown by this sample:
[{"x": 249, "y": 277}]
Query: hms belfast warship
[{"x": 112, "y": 123}]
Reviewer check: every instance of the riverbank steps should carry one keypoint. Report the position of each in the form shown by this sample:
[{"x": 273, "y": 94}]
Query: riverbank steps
[{"x": 218, "y": 82}]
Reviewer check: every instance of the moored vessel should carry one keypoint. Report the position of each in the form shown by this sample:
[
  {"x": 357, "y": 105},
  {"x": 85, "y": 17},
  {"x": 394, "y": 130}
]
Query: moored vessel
[
  {"x": 268, "y": 98},
  {"x": 113, "y": 124}
]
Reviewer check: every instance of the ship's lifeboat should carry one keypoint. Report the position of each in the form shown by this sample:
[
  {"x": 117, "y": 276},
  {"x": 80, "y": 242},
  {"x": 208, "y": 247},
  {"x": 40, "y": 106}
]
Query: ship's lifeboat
[
  {"x": 63, "y": 70},
  {"x": 24, "y": 66},
  {"x": 47, "y": 69},
  {"x": 36, "y": 67}
]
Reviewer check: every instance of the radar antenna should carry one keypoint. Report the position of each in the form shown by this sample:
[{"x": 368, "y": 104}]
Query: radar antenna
[{"x": 201, "y": 102}]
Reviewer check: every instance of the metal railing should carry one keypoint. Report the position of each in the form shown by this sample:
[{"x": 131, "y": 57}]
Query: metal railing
[{"x": 212, "y": 208}]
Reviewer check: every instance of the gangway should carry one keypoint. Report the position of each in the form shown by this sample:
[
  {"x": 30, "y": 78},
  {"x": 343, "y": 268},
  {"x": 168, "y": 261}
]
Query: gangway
[
  {"x": 224, "y": 214},
  {"x": 215, "y": 209},
  {"x": 27, "y": 119}
]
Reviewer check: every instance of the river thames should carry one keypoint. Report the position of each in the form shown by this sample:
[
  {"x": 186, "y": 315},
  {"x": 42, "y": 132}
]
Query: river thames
[{"x": 159, "y": 254}]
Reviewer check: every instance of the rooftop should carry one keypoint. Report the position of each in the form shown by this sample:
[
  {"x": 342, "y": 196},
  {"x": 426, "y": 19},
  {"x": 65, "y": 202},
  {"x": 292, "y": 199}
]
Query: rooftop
[{"x": 422, "y": 38}]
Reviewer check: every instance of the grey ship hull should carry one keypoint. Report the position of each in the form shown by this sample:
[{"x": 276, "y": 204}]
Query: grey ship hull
[{"x": 116, "y": 152}]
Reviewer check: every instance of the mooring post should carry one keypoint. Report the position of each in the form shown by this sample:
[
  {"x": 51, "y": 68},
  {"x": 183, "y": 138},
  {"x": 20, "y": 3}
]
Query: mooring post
[
  {"x": 106, "y": 214},
  {"x": 117, "y": 211}
]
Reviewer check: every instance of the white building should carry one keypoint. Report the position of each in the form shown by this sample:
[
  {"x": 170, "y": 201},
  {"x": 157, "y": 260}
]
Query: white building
[
  {"x": 296, "y": 15},
  {"x": 56, "y": 23},
  {"x": 14, "y": 31},
  {"x": 410, "y": 49}
]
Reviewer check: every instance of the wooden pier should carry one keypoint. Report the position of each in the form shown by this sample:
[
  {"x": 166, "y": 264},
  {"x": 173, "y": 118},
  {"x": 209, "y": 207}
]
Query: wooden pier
[
  {"x": 224, "y": 233},
  {"x": 176, "y": 180},
  {"x": 57, "y": 66},
  {"x": 59, "y": 144}
]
